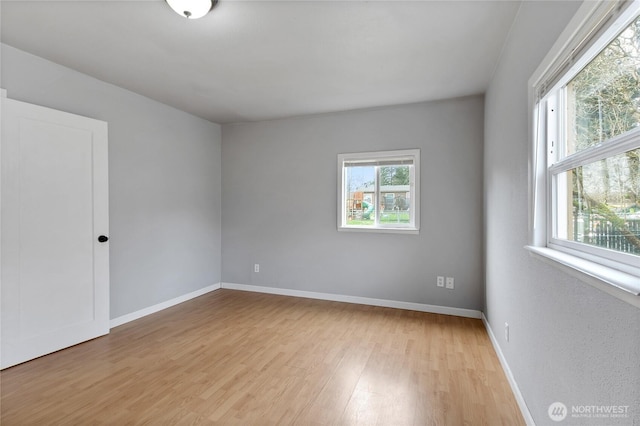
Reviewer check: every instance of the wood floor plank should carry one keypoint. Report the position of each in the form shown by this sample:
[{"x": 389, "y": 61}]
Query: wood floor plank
[{"x": 232, "y": 357}]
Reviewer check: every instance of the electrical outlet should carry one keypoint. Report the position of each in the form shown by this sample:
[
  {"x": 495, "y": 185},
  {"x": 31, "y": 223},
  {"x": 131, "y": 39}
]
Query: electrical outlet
[
  {"x": 450, "y": 283},
  {"x": 440, "y": 282},
  {"x": 506, "y": 331},
  {"x": 256, "y": 267}
]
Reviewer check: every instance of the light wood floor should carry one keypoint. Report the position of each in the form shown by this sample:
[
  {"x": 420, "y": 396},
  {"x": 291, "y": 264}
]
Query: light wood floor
[{"x": 233, "y": 357}]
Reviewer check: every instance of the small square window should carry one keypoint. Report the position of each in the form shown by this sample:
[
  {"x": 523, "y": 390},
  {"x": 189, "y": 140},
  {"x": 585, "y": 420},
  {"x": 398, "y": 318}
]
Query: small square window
[{"x": 378, "y": 191}]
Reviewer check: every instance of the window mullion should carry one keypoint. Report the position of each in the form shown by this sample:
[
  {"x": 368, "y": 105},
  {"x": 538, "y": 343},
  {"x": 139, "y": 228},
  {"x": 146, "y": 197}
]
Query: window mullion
[
  {"x": 614, "y": 146},
  {"x": 376, "y": 206},
  {"x": 553, "y": 130},
  {"x": 412, "y": 195}
]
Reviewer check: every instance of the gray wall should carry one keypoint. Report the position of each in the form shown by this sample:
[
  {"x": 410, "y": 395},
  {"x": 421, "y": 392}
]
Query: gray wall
[
  {"x": 569, "y": 342},
  {"x": 164, "y": 179},
  {"x": 279, "y": 204}
]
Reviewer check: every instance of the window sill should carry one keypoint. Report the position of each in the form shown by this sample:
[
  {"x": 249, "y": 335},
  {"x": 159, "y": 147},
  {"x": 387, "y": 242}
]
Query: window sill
[
  {"x": 410, "y": 231},
  {"x": 619, "y": 284}
]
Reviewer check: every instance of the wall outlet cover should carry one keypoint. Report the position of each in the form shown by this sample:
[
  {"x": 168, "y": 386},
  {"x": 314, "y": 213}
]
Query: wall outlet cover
[{"x": 450, "y": 283}]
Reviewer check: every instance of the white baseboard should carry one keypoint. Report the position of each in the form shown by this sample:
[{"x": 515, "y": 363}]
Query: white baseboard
[
  {"x": 507, "y": 371},
  {"x": 421, "y": 307},
  {"x": 160, "y": 306}
]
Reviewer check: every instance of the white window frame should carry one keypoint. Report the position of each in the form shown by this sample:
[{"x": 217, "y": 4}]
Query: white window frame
[
  {"x": 593, "y": 27},
  {"x": 414, "y": 189}
]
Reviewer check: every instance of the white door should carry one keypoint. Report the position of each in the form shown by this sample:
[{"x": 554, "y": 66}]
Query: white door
[{"x": 54, "y": 207}]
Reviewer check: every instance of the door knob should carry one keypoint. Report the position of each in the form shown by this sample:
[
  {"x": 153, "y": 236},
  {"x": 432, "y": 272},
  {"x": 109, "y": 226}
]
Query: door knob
[{"x": 103, "y": 238}]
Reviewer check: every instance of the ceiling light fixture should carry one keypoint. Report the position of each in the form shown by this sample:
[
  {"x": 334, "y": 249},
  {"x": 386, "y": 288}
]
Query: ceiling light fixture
[{"x": 192, "y": 9}]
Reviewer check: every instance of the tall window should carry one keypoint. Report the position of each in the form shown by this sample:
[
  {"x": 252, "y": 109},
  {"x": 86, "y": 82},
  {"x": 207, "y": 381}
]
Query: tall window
[
  {"x": 378, "y": 191},
  {"x": 587, "y": 146}
]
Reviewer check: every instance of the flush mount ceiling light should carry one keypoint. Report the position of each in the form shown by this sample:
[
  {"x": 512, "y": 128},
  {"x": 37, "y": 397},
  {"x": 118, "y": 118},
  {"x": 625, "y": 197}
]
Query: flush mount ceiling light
[{"x": 192, "y": 9}]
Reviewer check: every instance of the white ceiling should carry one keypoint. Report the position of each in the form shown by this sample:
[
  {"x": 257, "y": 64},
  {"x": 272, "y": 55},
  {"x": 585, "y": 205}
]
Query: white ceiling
[{"x": 264, "y": 59}]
